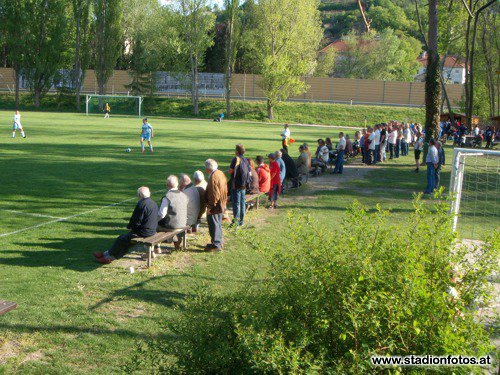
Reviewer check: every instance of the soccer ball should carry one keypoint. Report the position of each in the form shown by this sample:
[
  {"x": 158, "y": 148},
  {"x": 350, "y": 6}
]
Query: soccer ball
[{"x": 128, "y": 149}]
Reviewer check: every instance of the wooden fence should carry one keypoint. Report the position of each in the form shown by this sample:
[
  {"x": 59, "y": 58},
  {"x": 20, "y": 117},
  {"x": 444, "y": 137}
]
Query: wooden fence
[{"x": 320, "y": 89}]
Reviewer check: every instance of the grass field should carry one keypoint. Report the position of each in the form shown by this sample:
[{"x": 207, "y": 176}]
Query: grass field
[{"x": 68, "y": 189}]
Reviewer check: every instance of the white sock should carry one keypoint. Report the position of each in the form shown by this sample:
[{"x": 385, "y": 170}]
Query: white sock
[
  {"x": 142, "y": 148},
  {"x": 22, "y": 133},
  {"x": 13, "y": 134}
]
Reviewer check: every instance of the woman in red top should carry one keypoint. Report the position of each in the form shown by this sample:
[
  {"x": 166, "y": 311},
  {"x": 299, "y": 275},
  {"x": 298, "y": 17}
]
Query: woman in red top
[
  {"x": 275, "y": 181},
  {"x": 264, "y": 174}
]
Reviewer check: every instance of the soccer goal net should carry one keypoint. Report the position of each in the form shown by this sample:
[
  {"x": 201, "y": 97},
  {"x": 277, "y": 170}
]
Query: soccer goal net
[
  {"x": 475, "y": 184},
  {"x": 118, "y": 104}
]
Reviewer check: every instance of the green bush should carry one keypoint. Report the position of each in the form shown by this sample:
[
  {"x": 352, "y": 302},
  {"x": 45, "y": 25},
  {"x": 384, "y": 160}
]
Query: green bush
[{"x": 333, "y": 299}]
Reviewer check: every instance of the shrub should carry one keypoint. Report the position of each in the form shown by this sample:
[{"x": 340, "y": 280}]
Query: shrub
[{"x": 333, "y": 299}]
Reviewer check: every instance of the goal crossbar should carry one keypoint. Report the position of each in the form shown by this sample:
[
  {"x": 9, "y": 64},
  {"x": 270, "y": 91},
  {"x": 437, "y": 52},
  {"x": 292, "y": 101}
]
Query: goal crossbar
[
  {"x": 457, "y": 176},
  {"x": 88, "y": 97}
]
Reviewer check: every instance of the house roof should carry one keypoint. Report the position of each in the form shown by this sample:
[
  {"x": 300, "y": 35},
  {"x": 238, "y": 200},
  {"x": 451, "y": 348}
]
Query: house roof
[{"x": 450, "y": 62}]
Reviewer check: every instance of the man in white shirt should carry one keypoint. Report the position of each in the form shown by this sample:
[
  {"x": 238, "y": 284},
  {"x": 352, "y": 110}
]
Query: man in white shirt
[
  {"x": 432, "y": 161},
  {"x": 17, "y": 125},
  {"x": 393, "y": 136},
  {"x": 371, "y": 147},
  {"x": 339, "y": 164},
  {"x": 324, "y": 153},
  {"x": 377, "y": 144}
]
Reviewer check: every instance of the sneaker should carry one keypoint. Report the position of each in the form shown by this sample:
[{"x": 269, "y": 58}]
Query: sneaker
[
  {"x": 210, "y": 247},
  {"x": 98, "y": 254}
]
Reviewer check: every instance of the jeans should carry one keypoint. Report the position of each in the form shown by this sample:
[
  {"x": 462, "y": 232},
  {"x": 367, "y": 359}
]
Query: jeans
[
  {"x": 397, "y": 148},
  {"x": 371, "y": 157},
  {"x": 238, "y": 201},
  {"x": 437, "y": 177},
  {"x": 339, "y": 164},
  {"x": 377, "y": 154},
  {"x": 431, "y": 178},
  {"x": 404, "y": 148},
  {"x": 121, "y": 245},
  {"x": 392, "y": 146},
  {"x": 215, "y": 229}
]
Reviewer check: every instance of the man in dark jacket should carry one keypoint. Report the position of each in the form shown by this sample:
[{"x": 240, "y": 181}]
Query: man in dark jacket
[
  {"x": 143, "y": 223},
  {"x": 292, "y": 173}
]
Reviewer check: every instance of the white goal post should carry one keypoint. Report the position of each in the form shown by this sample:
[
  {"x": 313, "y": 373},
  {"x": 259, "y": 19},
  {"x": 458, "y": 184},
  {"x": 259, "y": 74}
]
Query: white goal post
[
  {"x": 104, "y": 98},
  {"x": 483, "y": 187}
]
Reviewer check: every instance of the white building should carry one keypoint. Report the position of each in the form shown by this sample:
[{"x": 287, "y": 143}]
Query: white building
[{"x": 453, "y": 69}]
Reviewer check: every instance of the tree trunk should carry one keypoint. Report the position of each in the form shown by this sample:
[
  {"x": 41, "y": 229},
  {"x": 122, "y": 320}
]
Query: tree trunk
[
  {"x": 443, "y": 87},
  {"x": 36, "y": 92},
  {"x": 229, "y": 51},
  {"x": 366, "y": 22},
  {"x": 76, "y": 67},
  {"x": 467, "y": 65},
  {"x": 270, "y": 114},
  {"x": 432, "y": 83},
  {"x": 16, "y": 87}
]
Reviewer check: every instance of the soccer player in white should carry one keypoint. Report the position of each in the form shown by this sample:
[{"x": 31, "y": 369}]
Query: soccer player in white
[
  {"x": 146, "y": 134},
  {"x": 17, "y": 125}
]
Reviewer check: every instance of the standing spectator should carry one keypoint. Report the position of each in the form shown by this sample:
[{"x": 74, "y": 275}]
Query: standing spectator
[
  {"x": 275, "y": 181},
  {"x": 432, "y": 161},
  {"x": 240, "y": 178},
  {"x": 264, "y": 174},
  {"x": 383, "y": 143},
  {"x": 371, "y": 147},
  {"x": 488, "y": 136},
  {"x": 399, "y": 138},
  {"x": 362, "y": 146},
  {"x": 441, "y": 162},
  {"x": 303, "y": 161},
  {"x": 193, "y": 206},
  {"x": 173, "y": 210},
  {"x": 201, "y": 186},
  {"x": 418, "y": 147},
  {"x": 254, "y": 187},
  {"x": 292, "y": 173},
  {"x": 216, "y": 199},
  {"x": 339, "y": 165},
  {"x": 285, "y": 137},
  {"x": 393, "y": 134},
  {"x": 405, "y": 142},
  {"x": 143, "y": 223},
  {"x": 282, "y": 165},
  {"x": 376, "y": 139}
]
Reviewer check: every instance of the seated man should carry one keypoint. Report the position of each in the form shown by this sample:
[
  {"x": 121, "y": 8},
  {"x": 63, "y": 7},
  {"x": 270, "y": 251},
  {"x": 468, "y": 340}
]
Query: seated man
[
  {"x": 193, "y": 206},
  {"x": 143, "y": 223},
  {"x": 303, "y": 161},
  {"x": 264, "y": 175},
  {"x": 173, "y": 210}
]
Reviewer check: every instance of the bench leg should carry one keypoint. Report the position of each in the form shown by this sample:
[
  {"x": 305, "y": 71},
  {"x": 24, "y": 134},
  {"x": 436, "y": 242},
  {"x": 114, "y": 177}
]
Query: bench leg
[
  {"x": 184, "y": 241},
  {"x": 150, "y": 253}
]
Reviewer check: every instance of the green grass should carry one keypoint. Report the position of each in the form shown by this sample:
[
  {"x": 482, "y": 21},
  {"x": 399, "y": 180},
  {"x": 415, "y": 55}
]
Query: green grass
[
  {"x": 292, "y": 112},
  {"x": 77, "y": 317}
]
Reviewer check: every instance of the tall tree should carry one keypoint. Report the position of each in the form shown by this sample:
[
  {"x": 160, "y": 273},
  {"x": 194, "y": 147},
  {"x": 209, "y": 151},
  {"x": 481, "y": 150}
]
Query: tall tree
[
  {"x": 232, "y": 7},
  {"x": 197, "y": 21},
  {"x": 81, "y": 19},
  {"x": 14, "y": 19},
  {"x": 108, "y": 42},
  {"x": 285, "y": 43},
  {"x": 432, "y": 82},
  {"x": 46, "y": 44}
]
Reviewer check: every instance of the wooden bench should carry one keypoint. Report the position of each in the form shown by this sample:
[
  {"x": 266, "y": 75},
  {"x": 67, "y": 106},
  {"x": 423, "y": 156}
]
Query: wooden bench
[
  {"x": 159, "y": 238},
  {"x": 250, "y": 198},
  {"x": 6, "y": 306}
]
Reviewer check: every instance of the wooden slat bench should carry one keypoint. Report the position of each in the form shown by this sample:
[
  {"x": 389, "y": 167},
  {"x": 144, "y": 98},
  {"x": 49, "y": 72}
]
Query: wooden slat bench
[
  {"x": 6, "y": 306},
  {"x": 159, "y": 238},
  {"x": 251, "y": 198}
]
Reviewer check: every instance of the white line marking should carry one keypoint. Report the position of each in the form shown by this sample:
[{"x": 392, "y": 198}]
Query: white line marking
[
  {"x": 70, "y": 217},
  {"x": 30, "y": 214}
]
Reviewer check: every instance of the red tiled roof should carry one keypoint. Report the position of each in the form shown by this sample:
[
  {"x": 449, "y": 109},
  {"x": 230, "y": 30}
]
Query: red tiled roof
[{"x": 450, "y": 62}]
